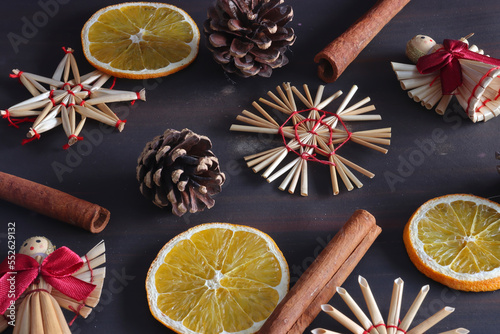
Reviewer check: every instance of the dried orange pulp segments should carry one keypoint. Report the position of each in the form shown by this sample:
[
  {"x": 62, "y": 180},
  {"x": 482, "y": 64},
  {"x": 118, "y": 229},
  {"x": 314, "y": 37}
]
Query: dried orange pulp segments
[
  {"x": 217, "y": 278},
  {"x": 455, "y": 240},
  {"x": 140, "y": 40}
]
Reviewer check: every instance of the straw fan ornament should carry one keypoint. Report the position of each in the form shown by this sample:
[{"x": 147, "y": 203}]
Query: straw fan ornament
[
  {"x": 451, "y": 69},
  {"x": 66, "y": 102},
  {"x": 40, "y": 280},
  {"x": 311, "y": 134},
  {"x": 375, "y": 324}
]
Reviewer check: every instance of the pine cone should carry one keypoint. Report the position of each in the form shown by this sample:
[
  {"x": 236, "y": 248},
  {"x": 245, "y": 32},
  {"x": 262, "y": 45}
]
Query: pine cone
[
  {"x": 249, "y": 37},
  {"x": 178, "y": 167},
  {"x": 497, "y": 156}
]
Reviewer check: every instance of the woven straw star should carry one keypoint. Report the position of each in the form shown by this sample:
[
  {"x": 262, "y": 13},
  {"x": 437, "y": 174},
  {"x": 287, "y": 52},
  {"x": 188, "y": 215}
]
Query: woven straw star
[
  {"x": 66, "y": 102},
  {"x": 313, "y": 135},
  {"x": 375, "y": 324}
]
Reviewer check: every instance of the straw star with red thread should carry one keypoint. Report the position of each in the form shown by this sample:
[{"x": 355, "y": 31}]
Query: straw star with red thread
[
  {"x": 66, "y": 102},
  {"x": 375, "y": 324},
  {"x": 314, "y": 135}
]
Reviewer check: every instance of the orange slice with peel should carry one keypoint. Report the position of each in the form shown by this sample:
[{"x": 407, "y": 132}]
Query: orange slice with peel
[
  {"x": 217, "y": 278},
  {"x": 140, "y": 40},
  {"x": 455, "y": 240}
]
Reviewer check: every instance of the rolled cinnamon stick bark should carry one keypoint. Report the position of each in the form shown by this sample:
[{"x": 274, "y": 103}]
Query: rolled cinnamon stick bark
[
  {"x": 53, "y": 203},
  {"x": 317, "y": 284},
  {"x": 337, "y": 55}
]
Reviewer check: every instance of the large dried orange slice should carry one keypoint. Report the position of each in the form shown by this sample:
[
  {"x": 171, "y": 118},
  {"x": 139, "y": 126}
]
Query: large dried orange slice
[
  {"x": 139, "y": 40},
  {"x": 455, "y": 240},
  {"x": 217, "y": 278}
]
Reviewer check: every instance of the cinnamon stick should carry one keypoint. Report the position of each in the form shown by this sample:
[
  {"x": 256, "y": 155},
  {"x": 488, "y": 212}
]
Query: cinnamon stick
[
  {"x": 318, "y": 283},
  {"x": 53, "y": 203},
  {"x": 337, "y": 55}
]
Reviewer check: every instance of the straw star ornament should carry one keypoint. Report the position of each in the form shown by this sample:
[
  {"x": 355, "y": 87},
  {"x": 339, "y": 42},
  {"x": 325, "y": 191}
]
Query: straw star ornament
[
  {"x": 313, "y": 135},
  {"x": 375, "y": 323},
  {"x": 66, "y": 102}
]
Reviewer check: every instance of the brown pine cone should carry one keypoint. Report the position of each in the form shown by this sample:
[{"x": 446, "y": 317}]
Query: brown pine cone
[
  {"x": 249, "y": 37},
  {"x": 497, "y": 156},
  {"x": 178, "y": 168}
]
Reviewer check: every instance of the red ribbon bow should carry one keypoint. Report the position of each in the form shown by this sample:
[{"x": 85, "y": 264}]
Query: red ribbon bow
[
  {"x": 446, "y": 60},
  {"x": 17, "y": 274}
]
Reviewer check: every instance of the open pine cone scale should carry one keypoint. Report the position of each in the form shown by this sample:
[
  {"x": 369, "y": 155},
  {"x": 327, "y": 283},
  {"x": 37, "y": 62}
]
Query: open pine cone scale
[{"x": 249, "y": 37}]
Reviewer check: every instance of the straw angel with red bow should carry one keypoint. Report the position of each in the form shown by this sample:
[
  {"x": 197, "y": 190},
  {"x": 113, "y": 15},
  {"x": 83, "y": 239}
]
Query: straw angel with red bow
[
  {"x": 451, "y": 69},
  {"x": 36, "y": 282}
]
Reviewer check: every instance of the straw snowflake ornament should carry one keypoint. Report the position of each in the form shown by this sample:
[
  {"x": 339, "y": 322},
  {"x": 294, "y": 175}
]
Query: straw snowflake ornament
[
  {"x": 376, "y": 324},
  {"x": 66, "y": 102},
  {"x": 313, "y": 135}
]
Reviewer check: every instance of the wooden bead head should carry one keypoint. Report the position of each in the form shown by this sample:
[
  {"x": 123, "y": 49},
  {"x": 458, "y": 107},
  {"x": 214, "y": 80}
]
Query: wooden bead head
[
  {"x": 37, "y": 246},
  {"x": 419, "y": 46}
]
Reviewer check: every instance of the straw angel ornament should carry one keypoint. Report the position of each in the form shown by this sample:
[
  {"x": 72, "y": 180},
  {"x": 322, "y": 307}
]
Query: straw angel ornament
[
  {"x": 39, "y": 280},
  {"x": 451, "y": 68}
]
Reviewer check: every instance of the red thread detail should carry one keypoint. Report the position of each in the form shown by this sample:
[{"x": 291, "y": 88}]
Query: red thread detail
[
  {"x": 349, "y": 134},
  {"x": 477, "y": 85},
  {"x": 66, "y": 84},
  {"x": 375, "y": 327},
  {"x": 138, "y": 94},
  {"x": 118, "y": 122},
  {"x": 51, "y": 98},
  {"x": 66, "y": 50},
  {"x": 317, "y": 123},
  {"x": 90, "y": 268},
  {"x": 82, "y": 103},
  {"x": 18, "y": 75},
  {"x": 433, "y": 80},
  {"x": 498, "y": 95},
  {"x": 22, "y": 120},
  {"x": 113, "y": 83},
  {"x": 369, "y": 329},
  {"x": 483, "y": 104},
  {"x": 401, "y": 330},
  {"x": 28, "y": 140},
  {"x": 71, "y": 92},
  {"x": 81, "y": 305},
  {"x": 66, "y": 146},
  {"x": 7, "y": 115},
  {"x": 77, "y": 312},
  {"x": 88, "y": 91}
]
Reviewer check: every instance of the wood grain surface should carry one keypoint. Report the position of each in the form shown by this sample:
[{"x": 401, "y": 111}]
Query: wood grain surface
[{"x": 430, "y": 155}]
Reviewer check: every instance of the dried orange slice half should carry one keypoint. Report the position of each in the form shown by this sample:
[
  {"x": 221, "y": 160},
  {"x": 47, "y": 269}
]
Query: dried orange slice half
[
  {"x": 217, "y": 278},
  {"x": 455, "y": 240},
  {"x": 139, "y": 40}
]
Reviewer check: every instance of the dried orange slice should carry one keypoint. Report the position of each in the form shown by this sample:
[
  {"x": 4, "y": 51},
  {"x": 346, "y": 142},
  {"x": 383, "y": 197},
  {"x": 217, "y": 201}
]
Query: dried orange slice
[
  {"x": 455, "y": 240},
  {"x": 217, "y": 278},
  {"x": 140, "y": 40}
]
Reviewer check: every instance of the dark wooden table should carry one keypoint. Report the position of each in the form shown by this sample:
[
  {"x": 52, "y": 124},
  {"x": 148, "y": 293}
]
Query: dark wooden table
[{"x": 201, "y": 97}]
